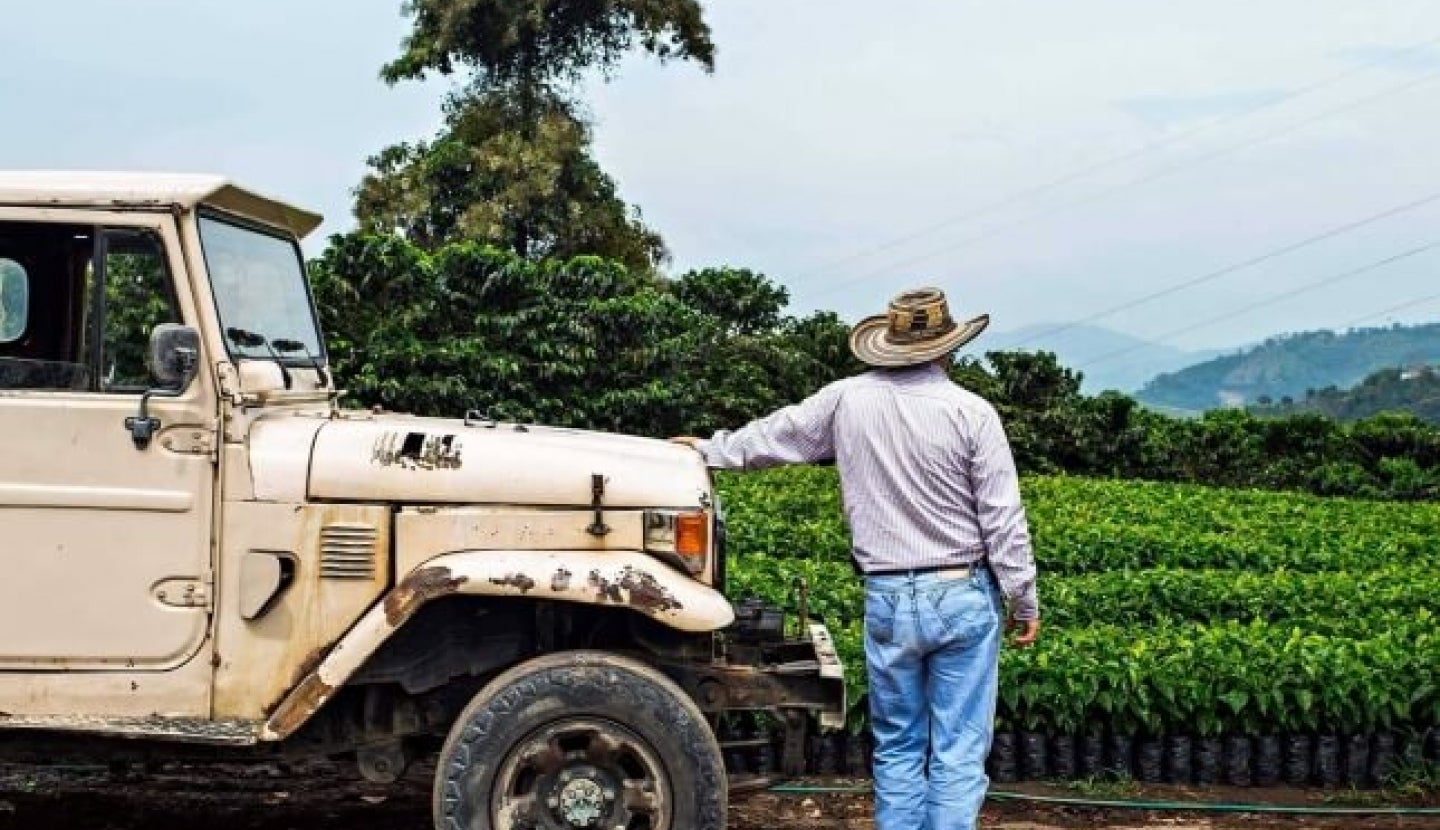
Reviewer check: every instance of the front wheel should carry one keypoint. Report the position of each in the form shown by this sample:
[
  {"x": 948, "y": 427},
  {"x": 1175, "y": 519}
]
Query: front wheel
[{"x": 581, "y": 741}]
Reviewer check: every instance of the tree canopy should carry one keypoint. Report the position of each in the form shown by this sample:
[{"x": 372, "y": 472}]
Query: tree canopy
[
  {"x": 513, "y": 166},
  {"x": 583, "y": 343},
  {"x": 530, "y": 43},
  {"x": 521, "y": 181}
]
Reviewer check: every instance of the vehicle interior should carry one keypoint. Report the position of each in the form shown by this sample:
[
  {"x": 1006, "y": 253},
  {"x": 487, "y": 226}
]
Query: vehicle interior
[
  {"x": 49, "y": 337},
  {"x": 44, "y": 274}
]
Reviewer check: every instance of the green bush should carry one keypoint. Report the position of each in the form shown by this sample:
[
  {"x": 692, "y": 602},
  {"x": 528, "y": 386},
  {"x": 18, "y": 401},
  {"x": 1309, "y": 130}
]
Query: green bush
[
  {"x": 586, "y": 342},
  {"x": 1167, "y": 607}
]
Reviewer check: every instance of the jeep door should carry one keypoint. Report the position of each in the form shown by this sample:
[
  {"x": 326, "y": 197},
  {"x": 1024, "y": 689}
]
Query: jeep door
[{"x": 106, "y": 541}]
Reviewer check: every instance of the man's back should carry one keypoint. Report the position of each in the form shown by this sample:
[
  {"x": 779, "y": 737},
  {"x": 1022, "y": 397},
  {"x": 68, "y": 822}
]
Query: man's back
[
  {"x": 903, "y": 443},
  {"x": 925, "y": 470}
]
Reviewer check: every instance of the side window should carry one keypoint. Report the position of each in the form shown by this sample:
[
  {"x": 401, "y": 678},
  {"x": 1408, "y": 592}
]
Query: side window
[
  {"x": 14, "y": 300},
  {"x": 138, "y": 297}
]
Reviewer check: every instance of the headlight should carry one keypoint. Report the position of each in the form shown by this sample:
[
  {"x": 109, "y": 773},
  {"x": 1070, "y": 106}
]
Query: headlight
[{"x": 682, "y": 536}]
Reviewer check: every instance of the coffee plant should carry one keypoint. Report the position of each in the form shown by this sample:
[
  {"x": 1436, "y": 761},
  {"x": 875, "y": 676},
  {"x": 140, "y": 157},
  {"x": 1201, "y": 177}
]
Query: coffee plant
[{"x": 1169, "y": 609}]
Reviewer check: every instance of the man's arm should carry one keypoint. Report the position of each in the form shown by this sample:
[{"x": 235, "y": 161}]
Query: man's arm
[
  {"x": 798, "y": 434},
  {"x": 1002, "y": 520}
]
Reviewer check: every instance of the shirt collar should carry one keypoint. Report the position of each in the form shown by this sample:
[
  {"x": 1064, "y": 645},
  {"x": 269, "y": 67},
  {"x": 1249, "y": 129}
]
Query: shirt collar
[{"x": 923, "y": 371}]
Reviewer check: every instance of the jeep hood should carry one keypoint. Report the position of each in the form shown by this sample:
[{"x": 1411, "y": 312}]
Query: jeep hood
[{"x": 409, "y": 460}]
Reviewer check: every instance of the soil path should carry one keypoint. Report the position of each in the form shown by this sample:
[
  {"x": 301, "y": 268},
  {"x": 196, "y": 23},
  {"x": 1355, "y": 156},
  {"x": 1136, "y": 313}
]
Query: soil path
[{"x": 321, "y": 796}]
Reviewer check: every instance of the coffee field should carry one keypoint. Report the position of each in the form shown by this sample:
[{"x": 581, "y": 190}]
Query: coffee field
[{"x": 1180, "y": 620}]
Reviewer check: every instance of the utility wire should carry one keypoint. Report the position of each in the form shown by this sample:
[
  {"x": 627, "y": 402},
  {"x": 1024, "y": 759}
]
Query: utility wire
[
  {"x": 1121, "y": 158},
  {"x": 1429, "y": 298},
  {"x": 1134, "y": 183},
  {"x": 1278, "y": 298},
  {"x": 1236, "y": 266}
]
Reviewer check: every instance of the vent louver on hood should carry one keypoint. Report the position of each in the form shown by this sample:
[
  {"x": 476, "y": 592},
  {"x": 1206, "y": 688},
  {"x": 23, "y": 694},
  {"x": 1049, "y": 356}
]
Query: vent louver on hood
[{"x": 347, "y": 551}]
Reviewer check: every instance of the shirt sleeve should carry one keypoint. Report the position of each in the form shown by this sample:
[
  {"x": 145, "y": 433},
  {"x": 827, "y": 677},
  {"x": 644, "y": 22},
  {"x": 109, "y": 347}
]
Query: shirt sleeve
[
  {"x": 1002, "y": 518},
  {"x": 798, "y": 434}
]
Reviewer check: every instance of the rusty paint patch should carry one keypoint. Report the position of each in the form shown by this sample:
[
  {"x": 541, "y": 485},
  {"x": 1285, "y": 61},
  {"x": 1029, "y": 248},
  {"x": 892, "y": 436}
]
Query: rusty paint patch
[
  {"x": 647, "y": 594},
  {"x": 419, "y": 588},
  {"x": 311, "y": 662},
  {"x": 605, "y": 590},
  {"x": 640, "y": 589},
  {"x": 518, "y": 581},
  {"x": 299, "y": 705},
  {"x": 417, "y": 451},
  {"x": 560, "y": 581}
]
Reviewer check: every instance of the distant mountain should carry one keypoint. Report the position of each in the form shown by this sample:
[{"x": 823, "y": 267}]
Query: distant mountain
[
  {"x": 1121, "y": 362},
  {"x": 1415, "y": 390},
  {"x": 1293, "y": 364}
]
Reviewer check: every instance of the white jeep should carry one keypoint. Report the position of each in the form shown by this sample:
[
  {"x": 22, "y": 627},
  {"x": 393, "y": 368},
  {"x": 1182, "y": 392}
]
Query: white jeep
[{"x": 203, "y": 551}]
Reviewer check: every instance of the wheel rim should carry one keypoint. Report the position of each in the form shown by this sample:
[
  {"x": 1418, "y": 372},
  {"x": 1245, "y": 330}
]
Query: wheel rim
[{"x": 582, "y": 774}]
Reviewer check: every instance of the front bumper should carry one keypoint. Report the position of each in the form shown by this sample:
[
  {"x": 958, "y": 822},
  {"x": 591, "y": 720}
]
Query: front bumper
[{"x": 802, "y": 675}]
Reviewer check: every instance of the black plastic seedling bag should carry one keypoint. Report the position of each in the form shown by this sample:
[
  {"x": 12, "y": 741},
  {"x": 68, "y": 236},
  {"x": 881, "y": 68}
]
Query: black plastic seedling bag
[
  {"x": 1269, "y": 761},
  {"x": 1178, "y": 752},
  {"x": 1237, "y": 761}
]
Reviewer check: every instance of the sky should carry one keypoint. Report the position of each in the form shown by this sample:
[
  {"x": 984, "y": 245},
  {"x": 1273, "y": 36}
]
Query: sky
[{"x": 1044, "y": 161}]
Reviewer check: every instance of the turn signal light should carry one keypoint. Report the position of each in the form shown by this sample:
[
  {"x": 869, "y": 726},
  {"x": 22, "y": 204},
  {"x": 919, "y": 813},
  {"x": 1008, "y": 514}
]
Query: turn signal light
[
  {"x": 692, "y": 536},
  {"x": 681, "y": 537}
]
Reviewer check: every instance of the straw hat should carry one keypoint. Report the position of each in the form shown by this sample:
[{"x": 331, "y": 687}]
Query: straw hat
[{"x": 917, "y": 329}]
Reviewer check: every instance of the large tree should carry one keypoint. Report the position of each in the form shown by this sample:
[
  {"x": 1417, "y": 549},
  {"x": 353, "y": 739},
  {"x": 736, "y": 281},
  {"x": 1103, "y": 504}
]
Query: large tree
[
  {"x": 522, "y": 181},
  {"x": 535, "y": 44},
  {"x": 513, "y": 165}
]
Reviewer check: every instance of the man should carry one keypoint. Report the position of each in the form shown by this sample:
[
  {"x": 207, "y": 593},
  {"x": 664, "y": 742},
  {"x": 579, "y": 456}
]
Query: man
[{"x": 933, "y": 503}]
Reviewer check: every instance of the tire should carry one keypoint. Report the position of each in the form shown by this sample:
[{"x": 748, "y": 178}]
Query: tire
[{"x": 580, "y": 740}]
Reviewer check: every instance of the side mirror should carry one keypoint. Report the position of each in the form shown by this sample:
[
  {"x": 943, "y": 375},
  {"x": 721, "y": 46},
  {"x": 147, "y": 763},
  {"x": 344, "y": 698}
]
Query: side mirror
[
  {"x": 174, "y": 359},
  {"x": 174, "y": 354}
]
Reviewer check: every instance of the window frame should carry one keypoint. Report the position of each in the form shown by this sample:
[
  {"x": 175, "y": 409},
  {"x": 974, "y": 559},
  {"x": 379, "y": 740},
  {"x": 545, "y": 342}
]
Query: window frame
[{"x": 100, "y": 308}]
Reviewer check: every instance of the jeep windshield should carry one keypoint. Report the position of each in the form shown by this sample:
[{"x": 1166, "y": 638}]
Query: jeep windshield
[{"x": 258, "y": 279}]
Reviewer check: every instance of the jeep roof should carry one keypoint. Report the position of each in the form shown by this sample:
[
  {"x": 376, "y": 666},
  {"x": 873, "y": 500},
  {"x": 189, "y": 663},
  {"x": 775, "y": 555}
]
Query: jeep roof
[{"x": 149, "y": 191}]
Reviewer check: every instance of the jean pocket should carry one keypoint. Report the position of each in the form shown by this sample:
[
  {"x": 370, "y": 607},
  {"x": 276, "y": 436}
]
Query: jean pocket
[
  {"x": 965, "y": 610},
  {"x": 880, "y": 618}
]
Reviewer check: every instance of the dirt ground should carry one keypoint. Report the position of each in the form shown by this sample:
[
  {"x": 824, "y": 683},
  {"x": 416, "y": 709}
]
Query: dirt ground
[{"x": 319, "y": 796}]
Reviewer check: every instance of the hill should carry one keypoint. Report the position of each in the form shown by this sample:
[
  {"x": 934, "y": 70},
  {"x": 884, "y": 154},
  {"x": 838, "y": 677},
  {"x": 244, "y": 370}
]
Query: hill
[
  {"x": 1292, "y": 365},
  {"x": 1128, "y": 362},
  {"x": 1415, "y": 390}
]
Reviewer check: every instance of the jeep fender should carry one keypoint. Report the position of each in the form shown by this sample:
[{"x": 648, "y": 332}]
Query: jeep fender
[{"x": 619, "y": 579}]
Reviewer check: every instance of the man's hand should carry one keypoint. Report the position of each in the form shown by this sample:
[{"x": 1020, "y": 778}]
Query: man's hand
[
  {"x": 687, "y": 440},
  {"x": 1029, "y": 631}
]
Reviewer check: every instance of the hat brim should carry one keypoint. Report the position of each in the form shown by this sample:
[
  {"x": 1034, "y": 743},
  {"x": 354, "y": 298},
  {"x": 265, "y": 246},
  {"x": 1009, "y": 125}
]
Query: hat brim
[{"x": 868, "y": 343}]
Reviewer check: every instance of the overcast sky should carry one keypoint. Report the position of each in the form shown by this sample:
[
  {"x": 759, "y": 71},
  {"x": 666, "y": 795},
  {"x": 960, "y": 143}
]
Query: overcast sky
[{"x": 849, "y": 149}]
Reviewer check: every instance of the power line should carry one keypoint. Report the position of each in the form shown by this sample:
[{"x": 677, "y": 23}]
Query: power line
[
  {"x": 1236, "y": 266},
  {"x": 1278, "y": 298},
  {"x": 1430, "y": 298},
  {"x": 1121, "y": 158},
  {"x": 1153, "y": 176}
]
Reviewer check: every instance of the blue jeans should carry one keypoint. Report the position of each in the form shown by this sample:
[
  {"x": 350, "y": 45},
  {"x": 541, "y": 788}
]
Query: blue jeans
[{"x": 932, "y": 650}]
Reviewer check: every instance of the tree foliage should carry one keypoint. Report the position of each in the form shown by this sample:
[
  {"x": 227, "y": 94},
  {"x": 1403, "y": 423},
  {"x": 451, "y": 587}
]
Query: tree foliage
[
  {"x": 1412, "y": 390},
  {"x": 523, "y": 181},
  {"x": 532, "y": 43},
  {"x": 513, "y": 166},
  {"x": 584, "y": 342}
]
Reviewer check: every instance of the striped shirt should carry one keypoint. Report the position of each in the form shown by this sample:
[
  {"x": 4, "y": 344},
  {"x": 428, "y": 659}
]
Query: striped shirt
[{"x": 926, "y": 473}]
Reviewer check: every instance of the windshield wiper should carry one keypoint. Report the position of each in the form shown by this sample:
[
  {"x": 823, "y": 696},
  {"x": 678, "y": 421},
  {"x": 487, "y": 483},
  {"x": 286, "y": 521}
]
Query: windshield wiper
[
  {"x": 252, "y": 340},
  {"x": 288, "y": 345}
]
